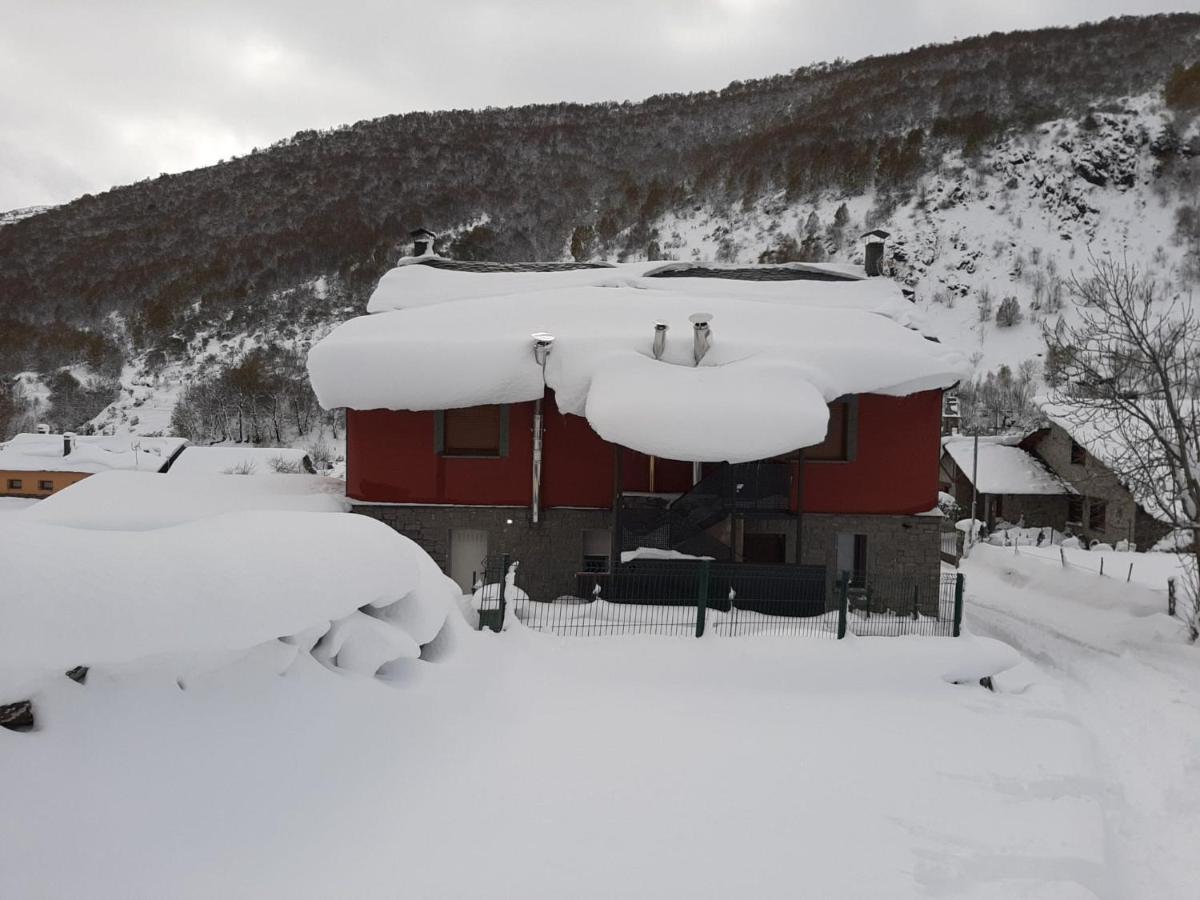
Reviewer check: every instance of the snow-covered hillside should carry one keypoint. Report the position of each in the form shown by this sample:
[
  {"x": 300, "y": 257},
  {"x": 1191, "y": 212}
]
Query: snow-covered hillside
[{"x": 1017, "y": 221}]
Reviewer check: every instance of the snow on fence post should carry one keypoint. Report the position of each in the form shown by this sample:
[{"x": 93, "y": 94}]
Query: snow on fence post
[
  {"x": 1171, "y": 596},
  {"x": 1062, "y": 554},
  {"x": 504, "y": 567},
  {"x": 843, "y": 603},
  {"x": 1102, "y": 565},
  {"x": 1129, "y": 577},
  {"x": 958, "y": 604},
  {"x": 702, "y": 596}
]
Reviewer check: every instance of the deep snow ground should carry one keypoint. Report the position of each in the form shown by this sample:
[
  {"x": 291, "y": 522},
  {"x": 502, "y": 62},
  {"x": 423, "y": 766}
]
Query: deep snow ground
[
  {"x": 1128, "y": 680},
  {"x": 523, "y": 765}
]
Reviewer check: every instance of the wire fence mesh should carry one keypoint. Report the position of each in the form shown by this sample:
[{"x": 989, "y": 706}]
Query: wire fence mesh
[{"x": 699, "y": 597}]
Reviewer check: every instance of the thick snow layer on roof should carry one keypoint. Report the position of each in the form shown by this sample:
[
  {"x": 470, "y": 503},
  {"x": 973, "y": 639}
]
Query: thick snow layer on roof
[
  {"x": 90, "y": 453},
  {"x": 1003, "y": 467},
  {"x": 780, "y": 351},
  {"x": 239, "y": 461},
  {"x": 137, "y": 501}
]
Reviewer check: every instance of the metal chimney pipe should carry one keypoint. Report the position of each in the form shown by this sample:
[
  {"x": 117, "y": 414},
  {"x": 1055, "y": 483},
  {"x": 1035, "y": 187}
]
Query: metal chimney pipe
[
  {"x": 660, "y": 338},
  {"x": 542, "y": 344},
  {"x": 701, "y": 334}
]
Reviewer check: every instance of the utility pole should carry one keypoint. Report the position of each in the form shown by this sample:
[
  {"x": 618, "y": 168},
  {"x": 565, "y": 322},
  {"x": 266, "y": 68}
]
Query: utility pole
[{"x": 974, "y": 491}]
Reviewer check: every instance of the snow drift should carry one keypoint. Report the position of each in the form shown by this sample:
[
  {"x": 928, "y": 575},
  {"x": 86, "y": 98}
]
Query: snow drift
[{"x": 780, "y": 352}]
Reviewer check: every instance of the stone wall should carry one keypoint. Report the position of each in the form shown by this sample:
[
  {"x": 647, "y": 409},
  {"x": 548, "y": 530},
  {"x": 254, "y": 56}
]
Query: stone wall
[
  {"x": 550, "y": 553},
  {"x": 901, "y": 548},
  {"x": 1124, "y": 518}
]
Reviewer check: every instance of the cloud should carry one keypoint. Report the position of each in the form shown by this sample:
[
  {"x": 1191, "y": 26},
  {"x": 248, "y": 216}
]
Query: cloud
[{"x": 95, "y": 94}]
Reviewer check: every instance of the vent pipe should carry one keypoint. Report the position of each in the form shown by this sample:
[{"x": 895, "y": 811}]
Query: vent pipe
[
  {"x": 873, "y": 252},
  {"x": 701, "y": 334},
  {"x": 422, "y": 240},
  {"x": 542, "y": 343},
  {"x": 660, "y": 338}
]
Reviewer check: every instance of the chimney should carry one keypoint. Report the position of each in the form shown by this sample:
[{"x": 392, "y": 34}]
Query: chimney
[
  {"x": 68, "y": 442},
  {"x": 660, "y": 338},
  {"x": 873, "y": 256},
  {"x": 701, "y": 335},
  {"x": 422, "y": 240},
  {"x": 542, "y": 342}
]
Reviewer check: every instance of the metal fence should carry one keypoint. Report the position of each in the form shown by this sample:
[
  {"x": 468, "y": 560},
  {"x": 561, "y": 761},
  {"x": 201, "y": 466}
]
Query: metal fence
[{"x": 697, "y": 598}]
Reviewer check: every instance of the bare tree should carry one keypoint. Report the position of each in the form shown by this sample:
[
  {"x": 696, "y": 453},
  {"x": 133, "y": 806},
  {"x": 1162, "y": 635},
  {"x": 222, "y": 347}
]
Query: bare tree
[{"x": 1129, "y": 375}]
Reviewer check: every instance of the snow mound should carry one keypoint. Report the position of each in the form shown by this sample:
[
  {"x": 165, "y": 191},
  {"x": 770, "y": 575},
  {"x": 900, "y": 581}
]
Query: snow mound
[
  {"x": 780, "y": 352},
  {"x": 136, "y": 501},
  {"x": 225, "y": 583}
]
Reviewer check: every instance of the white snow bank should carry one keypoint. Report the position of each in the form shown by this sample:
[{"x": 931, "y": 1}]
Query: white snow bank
[
  {"x": 241, "y": 461},
  {"x": 75, "y": 597},
  {"x": 655, "y": 553},
  {"x": 135, "y": 501},
  {"x": 1003, "y": 467},
  {"x": 771, "y": 369}
]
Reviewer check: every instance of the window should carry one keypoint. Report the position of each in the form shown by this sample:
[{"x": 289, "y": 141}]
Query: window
[
  {"x": 1075, "y": 510},
  {"x": 473, "y": 431},
  {"x": 1097, "y": 514},
  {"x": 45, "y": 485},
  {"x": 1078, "y": 454},
  {"x": 14, "y": 484},
  {"x": 597, "y": 544},
  {"x": 839, "y": 436}
]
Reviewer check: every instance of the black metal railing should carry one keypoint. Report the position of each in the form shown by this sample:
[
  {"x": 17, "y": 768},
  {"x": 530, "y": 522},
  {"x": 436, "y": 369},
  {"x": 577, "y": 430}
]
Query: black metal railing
[
  {"x": 699, "y": 597},
  {"x": 687, "y": 523}
]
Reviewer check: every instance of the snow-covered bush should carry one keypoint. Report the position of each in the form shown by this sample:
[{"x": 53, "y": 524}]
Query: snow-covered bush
[{"x": 1009, "y": 313}]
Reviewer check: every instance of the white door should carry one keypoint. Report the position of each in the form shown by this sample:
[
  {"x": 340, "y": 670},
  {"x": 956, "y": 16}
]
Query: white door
[{"x": 468, "y": 549}]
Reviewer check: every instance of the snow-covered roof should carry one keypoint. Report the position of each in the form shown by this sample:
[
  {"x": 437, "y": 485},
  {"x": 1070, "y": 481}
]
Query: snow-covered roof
[
  {"x": 240, "y": 461},
  {"x": 1115, "y": 441},
  {"x": 781, "y": 350},
  {"x": 90, "y": 454},
  {"x": 1003, "y": 467}
]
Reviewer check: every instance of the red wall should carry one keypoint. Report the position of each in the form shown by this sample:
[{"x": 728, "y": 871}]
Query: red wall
[
  {"x": 391, "y": 459},
  {"x": 895, "y": 469}
]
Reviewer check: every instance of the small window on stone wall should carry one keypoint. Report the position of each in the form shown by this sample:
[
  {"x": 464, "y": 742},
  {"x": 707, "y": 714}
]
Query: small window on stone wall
[
  {"x": 1097, "y": 515},
  {"x": 1078, "y": 454},
  {"x": 1075, "y": 510}
]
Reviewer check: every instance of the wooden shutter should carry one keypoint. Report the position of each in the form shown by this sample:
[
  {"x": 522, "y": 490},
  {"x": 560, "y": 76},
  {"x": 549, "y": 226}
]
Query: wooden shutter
[{"x": 473, "y": 431}]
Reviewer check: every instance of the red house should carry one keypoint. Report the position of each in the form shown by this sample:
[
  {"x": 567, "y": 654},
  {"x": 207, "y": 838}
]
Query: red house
[{"x": 556, "y": 413}]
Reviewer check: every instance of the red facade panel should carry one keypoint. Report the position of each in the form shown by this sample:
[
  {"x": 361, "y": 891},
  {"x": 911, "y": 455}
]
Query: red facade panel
[{"x": 391, "y": 458}]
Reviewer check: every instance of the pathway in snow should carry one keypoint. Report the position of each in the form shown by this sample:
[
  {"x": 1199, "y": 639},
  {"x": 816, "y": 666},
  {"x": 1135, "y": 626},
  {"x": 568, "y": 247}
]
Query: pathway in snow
[{"x": 1130, "y": 681}]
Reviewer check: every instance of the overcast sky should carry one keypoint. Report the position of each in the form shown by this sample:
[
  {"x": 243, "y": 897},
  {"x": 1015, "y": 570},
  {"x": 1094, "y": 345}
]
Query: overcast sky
[{"x": 101, "y": 92}]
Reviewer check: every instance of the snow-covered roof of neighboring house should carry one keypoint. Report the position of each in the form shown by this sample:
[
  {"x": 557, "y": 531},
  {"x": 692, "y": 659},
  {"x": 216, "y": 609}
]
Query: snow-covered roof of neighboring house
[
  {"x": 781, "y": 350},
  {"x": 89, "y": 454},
  {"x": 241, "y": 461},
  {"x": 1115, "y": 442},
  {"x": 1003, "y": 467}
]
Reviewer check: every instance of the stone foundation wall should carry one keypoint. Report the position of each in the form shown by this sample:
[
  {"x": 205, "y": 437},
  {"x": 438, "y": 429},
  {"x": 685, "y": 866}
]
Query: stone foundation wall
[
  {"x": 898, "y": 547},
  {"x": 550, "y": 553}
]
